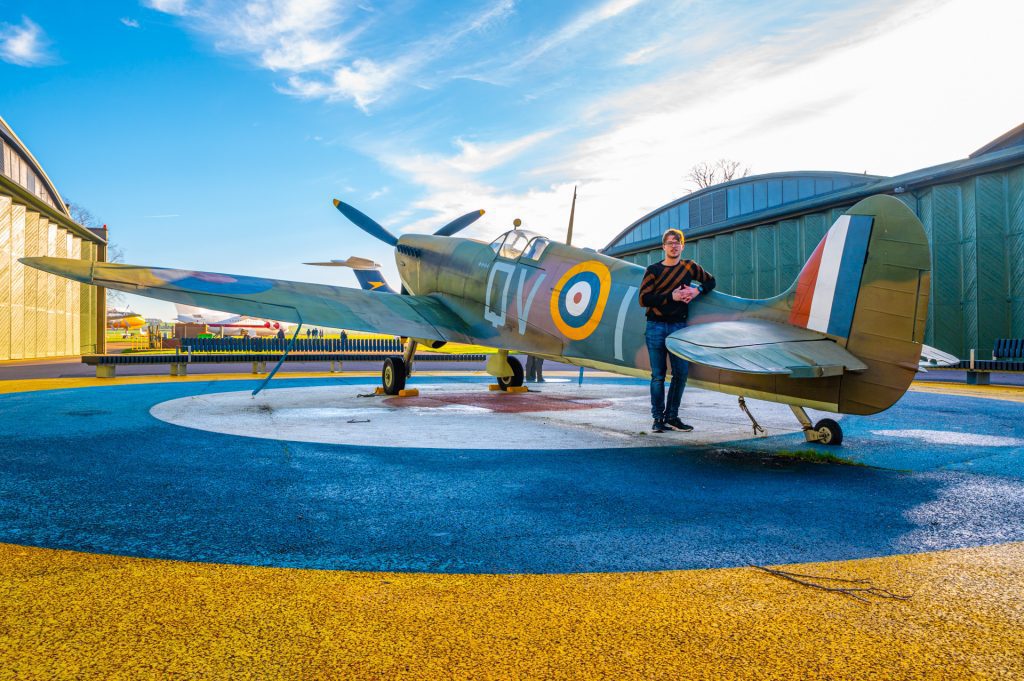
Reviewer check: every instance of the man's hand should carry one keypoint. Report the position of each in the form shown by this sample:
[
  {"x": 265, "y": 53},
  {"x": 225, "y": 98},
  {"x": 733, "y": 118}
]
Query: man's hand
[{"x": 685, "y": 294}]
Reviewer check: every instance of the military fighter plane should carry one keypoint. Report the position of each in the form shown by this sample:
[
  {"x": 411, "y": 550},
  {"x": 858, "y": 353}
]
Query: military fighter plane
[{"x": 845, "y": 337}]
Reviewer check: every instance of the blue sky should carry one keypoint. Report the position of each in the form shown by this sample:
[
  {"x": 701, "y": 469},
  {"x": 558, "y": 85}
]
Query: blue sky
[{"x": 213, "y": 135}]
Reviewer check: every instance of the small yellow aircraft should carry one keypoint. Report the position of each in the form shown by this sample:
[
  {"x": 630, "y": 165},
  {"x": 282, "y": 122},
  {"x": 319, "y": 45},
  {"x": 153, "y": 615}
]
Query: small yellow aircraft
[{"x": 125, "y": 320}]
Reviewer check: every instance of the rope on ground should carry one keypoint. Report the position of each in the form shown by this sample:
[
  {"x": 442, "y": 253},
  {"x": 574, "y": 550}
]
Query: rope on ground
[
  {"x": 757, "y": 426},
  {"x": 858, "y": 592}
]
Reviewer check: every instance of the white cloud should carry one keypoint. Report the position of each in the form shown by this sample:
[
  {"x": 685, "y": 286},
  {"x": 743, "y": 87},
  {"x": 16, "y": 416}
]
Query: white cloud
[
  {"x": 24, "y": 45},
  {"x": 579, "y": 25},
  {"x": 366, "y": 81},
  {"x": 176, "y": 7},
  {"x": 896, "y": 91},
  {"x": 310, "y": 39},
  {"x": 129, "y": 22},
  {"x": 288, "y": 35}
]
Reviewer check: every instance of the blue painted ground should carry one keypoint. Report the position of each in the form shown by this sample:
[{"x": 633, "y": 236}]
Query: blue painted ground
[{"x": 91, "y": 470}]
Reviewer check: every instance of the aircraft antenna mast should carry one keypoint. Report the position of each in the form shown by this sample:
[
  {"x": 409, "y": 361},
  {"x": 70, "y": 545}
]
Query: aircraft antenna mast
[{"x": 572, "y": 214}]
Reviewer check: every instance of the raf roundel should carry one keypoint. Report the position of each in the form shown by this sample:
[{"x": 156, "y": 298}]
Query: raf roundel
[{"x": 579, "y": 299}]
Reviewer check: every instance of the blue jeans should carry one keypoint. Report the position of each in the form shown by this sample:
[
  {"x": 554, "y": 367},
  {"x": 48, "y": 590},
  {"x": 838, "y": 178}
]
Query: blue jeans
[{"x": 656, "y": 334}]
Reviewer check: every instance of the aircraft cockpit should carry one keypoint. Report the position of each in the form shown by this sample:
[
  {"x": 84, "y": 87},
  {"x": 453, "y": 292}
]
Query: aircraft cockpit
[{"x": 520, "y": 243}]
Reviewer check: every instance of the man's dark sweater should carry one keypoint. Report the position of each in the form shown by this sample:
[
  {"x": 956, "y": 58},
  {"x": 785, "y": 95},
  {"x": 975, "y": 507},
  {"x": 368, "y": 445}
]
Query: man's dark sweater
[{"x": 659, "y": 282}]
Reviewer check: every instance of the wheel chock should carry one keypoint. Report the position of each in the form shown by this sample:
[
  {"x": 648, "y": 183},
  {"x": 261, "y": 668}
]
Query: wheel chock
[
  {"x": 494, "y": 386},
  {"x": 518, "y": 389},
  {"x": 408, "y": 392}
]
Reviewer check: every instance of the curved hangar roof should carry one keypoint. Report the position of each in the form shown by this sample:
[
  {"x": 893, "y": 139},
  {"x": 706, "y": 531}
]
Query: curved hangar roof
[
  {"x": 704, "y": 210},
  {"x": 18, "y": 164}
]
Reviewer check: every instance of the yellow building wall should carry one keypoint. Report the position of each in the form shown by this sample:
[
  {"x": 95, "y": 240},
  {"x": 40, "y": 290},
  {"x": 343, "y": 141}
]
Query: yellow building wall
[
  {"x": 17, "y": 282},
  {"x": 42, "y": 315},
  {"x": 5, "y": 277}
]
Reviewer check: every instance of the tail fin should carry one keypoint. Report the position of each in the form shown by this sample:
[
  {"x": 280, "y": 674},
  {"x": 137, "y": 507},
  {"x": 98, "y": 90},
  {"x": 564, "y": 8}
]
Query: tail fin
[
  {"x": 866, "y": 287},
  {"x": 372, "y": 280}
]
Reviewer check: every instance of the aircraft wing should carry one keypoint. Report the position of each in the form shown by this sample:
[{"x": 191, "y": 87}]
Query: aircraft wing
[
  {"x": 287, "y": 301},
  {"x": 759, "y": 346}
]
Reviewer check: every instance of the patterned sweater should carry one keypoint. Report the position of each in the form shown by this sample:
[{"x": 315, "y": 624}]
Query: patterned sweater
[{"x": 659, "y": 282}]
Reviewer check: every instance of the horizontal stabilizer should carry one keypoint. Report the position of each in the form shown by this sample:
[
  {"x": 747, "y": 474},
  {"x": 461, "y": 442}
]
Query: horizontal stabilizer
[
  {"x": 353, "y": 262},
  {"x": 758, "y": 346}
]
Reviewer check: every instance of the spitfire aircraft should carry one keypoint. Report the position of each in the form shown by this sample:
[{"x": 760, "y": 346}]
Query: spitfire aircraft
[{"x": 845, "y": 337}]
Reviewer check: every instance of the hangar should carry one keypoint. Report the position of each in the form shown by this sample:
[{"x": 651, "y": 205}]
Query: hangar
[
  {"x": 42, "y": 315},
  {"x": 756, "y": 232}
]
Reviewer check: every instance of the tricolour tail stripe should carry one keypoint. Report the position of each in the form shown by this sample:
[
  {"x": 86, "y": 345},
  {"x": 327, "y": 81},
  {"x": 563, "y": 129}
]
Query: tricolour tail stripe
[{"x": 827, "y": 288}]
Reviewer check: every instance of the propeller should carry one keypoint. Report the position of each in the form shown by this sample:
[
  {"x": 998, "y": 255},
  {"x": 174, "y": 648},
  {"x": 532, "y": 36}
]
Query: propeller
[
  {"x": 373, "y": 228},
  {"x": 366, "y": 223},
  {"x": 459, "y": 224}
]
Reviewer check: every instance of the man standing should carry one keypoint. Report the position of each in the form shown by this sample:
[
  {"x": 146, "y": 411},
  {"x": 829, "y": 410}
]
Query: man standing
[{"x": 668, "y": 288}]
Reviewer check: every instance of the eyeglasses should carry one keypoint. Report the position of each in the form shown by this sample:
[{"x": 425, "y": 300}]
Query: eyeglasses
[{"x": 671, "y": 243}]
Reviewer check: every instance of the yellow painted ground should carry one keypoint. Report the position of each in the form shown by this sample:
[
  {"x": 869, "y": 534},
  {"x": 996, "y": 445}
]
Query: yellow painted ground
[
  {"x": 27, "y": 385},
  {"x": 69, "y": 614},
  {"x": 1011, "y": 393}
]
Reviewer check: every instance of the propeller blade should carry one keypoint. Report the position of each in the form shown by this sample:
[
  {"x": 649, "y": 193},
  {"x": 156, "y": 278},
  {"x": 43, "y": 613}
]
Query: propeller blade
[
  {"x": 459, "y": 224},
  {"x": 366, "y": 223}
]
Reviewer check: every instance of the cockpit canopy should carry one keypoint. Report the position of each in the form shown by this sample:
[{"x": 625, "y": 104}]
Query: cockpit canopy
[{"x": 520, "y": 243}]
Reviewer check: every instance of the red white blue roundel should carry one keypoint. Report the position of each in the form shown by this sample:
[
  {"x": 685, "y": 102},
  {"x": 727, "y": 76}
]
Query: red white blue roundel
[{"x": 579, "y": 298}]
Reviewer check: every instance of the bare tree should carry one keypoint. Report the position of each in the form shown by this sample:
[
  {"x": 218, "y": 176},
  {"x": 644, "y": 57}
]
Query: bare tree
[
  {"x": 84, "y": 217},
  {"x": 708, "y": 173}
]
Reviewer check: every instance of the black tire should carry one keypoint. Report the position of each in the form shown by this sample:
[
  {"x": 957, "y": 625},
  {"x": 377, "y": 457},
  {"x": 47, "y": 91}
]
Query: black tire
[
  {"x": 393, "y": 375},
  {"x": 829, "y": 432},
  {"x": 516, "y": 379}
]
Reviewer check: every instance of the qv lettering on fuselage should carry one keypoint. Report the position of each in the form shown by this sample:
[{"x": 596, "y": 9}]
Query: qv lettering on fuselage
[
  {"x": 497, "y": 314},
  {"x": 573, "y": 296}
]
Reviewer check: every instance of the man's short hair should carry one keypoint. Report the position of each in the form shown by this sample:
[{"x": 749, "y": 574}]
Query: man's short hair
[{"x": 673, "y": 232}]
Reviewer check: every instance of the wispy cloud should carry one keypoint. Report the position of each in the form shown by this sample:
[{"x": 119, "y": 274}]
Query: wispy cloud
[
  {"x": 789, "y": 98},
  {"x": 176, "y": 7},
  {"x": 311, "y": 40},
  {"x": 24, "y": 44},
  {"x": 574, "y": 28},
  {"x": 129, "y": 22},
  {"x": 365, "y": 80}
]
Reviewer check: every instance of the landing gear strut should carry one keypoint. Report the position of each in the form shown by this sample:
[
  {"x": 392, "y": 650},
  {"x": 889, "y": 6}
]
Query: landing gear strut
[
  {"x": 825, "y": 431},
  {"x": 508, "y": 370}
]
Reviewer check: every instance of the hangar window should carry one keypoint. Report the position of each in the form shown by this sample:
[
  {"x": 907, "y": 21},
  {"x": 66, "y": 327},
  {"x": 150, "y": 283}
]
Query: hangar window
[
  {"x": 789, "y": 192},
  {"x": 806, "y": 187},
  {"x": 733, "y": 201},
  {"x": 760, "y": 195},
  {"x": 746, "y": 198}
]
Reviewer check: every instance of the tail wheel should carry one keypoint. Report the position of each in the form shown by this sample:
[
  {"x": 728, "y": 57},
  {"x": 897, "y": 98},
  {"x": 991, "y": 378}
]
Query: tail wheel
[
  {"x": 829, "y": 432},
  {"x": 516, "y": 379},
  {"x": 393, "y": 375}
]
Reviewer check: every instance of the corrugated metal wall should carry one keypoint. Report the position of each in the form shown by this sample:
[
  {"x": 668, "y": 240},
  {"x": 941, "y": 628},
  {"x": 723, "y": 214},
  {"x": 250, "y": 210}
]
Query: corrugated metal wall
[
  {"x": 976, "y": 230},
  {"x": 41, "y": 315}
]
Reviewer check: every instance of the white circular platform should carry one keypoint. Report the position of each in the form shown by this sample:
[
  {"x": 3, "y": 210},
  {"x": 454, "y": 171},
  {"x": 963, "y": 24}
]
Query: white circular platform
[{"x": 468, "y": 416}]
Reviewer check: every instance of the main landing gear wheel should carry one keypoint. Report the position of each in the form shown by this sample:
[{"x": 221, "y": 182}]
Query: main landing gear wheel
[
  {"x": 393, "y": 375},
  {"x": 829, "y": 432},
  {"x": 516, "y": 379}
]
